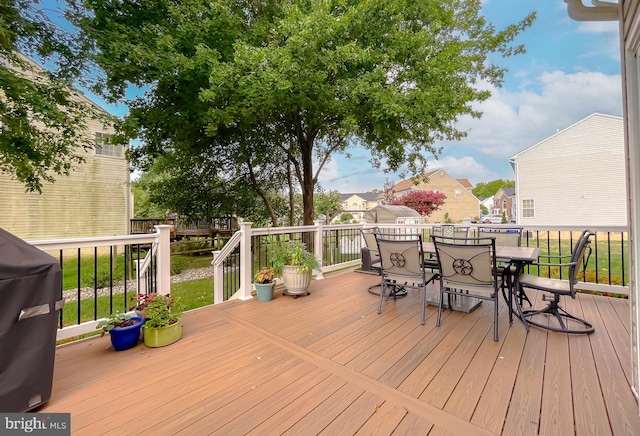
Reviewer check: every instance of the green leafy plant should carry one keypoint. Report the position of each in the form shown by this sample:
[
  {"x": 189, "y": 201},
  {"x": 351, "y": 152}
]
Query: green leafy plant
[
  {"x": 158, "y": 310},
  {"x": 265, "y": 275},
  {"x": 293, "y": 253},
  {"x": 113, "y": 321}
]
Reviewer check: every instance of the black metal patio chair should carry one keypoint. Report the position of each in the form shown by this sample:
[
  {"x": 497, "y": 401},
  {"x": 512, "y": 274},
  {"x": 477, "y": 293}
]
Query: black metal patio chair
[
  {"x": 557, "y": 318},
  {"x": 467, "y": 270},
  {"x": 402, "y": 259}
]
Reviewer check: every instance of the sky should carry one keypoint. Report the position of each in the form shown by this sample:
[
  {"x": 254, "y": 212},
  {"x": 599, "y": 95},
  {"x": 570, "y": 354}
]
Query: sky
[{"x": 569, "y": 71}]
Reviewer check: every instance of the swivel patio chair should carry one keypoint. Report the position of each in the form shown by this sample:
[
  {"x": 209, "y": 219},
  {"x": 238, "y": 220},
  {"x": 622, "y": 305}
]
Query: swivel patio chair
[
  {"x": 370, "y": 256},
  {"x": 553, "y": 312},
  {"x": 402, "y": 259},
  {"x": 467, "y": 268}
]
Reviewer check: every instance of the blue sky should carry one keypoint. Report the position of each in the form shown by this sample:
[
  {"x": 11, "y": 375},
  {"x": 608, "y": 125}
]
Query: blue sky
[{"x": 569, "y": 71}]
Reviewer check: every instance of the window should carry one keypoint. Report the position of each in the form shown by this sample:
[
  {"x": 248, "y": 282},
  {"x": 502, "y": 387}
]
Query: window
[
  {"x": 528, "y": 209},
  {"x": 458, "y": 193},
  {"x": 104, "y": 148}
]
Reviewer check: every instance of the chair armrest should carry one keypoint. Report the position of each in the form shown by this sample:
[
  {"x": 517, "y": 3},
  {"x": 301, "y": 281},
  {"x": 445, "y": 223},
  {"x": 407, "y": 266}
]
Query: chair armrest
[
  {"x": 549, "y": 256},
  {"x": 554, "y": 264}
]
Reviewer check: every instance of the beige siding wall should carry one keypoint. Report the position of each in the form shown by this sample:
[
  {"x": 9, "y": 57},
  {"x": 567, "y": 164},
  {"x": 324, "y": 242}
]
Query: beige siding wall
[
  {"x": 89, "y": 202},
  {"x": 576, "y": 177},
  {"x": 467, "y": 206}
]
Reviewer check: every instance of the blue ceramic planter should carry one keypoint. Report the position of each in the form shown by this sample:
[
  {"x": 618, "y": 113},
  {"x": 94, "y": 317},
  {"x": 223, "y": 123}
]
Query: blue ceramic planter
[{"x": 123, "y": 338}]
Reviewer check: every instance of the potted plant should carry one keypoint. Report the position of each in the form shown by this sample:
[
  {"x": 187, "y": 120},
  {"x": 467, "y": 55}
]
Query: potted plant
[
  {"x": 264, "y": 283},
  {"x": 295, "y": 264},
  {"x": 123, "y": 330},
  {"x": 162, "y": 315}
]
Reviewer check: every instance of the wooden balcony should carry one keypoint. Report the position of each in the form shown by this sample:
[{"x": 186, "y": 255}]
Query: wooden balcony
[{"x": 328, "y": 363}]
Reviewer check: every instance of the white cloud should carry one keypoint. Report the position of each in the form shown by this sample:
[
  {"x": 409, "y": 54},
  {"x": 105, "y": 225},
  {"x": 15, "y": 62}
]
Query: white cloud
[
  {"x": 512, "y": 121},
  {"x": 598, "y": 27},
  {"x": 461, "y": 168}
]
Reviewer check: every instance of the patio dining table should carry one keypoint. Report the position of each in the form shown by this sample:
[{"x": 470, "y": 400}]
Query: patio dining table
[{"x": 519, "y": 257}]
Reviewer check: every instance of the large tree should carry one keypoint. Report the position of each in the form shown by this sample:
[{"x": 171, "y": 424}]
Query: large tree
[
  {"x": 42, "y": 119},
  {"x": 489, "y": 189},
  {"x": 308, "y": 78}
]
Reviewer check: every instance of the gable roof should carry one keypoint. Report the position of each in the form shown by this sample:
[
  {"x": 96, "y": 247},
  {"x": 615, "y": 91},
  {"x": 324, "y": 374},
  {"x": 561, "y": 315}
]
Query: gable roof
[
  {"x": 408, "y": 184},
  {"x": 509, "y": 192},
  {"x": 466, "y": 183},
  {"x": 513, "y": 159},
  {"x": 369, "y": 196}
]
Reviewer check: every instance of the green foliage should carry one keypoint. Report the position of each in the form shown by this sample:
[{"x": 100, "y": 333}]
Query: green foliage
[
  {"x": 158, "y": 310},
  {"x": 489, "y": 189},
  {"x": 293, "y": 253},
  {"x": 327, "y": 205},
  {"x": 346, "y": 218},
  {"x": 42, "y": 121},
  {"x": 265, "y": 275},
  {"x": 262, "y": 84}
]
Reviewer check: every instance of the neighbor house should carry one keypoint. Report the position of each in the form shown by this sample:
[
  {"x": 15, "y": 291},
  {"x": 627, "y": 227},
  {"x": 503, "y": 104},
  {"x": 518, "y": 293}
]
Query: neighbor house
[
  {"x": 460, "y": 203},
  {"x": 503, "y": 203},
  {"x": 94, "y": 200},
  {"x": 574, "y": 177},
  {"x": 358, "y": 204}
]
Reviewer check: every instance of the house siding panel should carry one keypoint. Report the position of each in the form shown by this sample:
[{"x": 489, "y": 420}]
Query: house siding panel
[
  {"x": 577, "y": 176},
  {"x": 91, "y": 201}
]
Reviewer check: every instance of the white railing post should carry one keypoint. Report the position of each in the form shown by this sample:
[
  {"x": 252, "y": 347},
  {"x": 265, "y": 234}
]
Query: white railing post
[
  {"x": 317, "y": 246},
  {"x": 163, "y": 258},
  {"x": 246, "y": 255},
  {"x": 141, "y": 279},
  {"x": 218, "y": 279}
]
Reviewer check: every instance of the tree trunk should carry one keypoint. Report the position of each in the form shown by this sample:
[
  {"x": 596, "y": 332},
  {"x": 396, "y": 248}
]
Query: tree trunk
[
  {"x": 308, "y": 183},
  {"x": 292, "y": 203}
]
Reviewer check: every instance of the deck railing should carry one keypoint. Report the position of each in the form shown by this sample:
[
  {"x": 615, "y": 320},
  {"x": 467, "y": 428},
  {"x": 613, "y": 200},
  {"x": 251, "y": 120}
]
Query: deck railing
[
  {"x": 101, "y": 274},
  {"x": 339, "y": 247},
  {"x": 250, "y": 248}
]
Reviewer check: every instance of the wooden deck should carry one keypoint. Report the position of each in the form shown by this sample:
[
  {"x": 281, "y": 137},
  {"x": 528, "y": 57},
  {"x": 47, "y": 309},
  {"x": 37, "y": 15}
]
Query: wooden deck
[{"x": 328, "y": 364}]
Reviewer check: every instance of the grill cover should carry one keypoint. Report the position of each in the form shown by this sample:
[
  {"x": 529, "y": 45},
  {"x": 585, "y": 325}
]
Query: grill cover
[{"x": 30, "y": 300}]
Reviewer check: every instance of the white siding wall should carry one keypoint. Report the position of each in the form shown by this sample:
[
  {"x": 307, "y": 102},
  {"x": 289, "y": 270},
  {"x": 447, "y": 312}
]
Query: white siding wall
[
  {"x": 577, "y": 176},
  {"x": 90, "y": 202}
]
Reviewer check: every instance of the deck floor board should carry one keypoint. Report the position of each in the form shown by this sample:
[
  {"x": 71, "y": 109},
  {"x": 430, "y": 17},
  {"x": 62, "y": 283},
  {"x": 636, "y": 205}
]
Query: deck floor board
[{"x": 327, "y": 363}]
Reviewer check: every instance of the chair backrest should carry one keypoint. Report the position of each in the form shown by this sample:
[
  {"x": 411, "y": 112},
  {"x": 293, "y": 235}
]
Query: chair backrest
[
  {"x": 401, "y": 254},
  {"x": 466, "y": 261},
  {"x": 580, "y": 258},
  {"x": 369, "y": 237},
  {"x": 505, "y": 237},
  {"x": 450, "y": 231}
]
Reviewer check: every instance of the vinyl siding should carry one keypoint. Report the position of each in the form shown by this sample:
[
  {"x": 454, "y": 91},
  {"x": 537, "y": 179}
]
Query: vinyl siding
[
  {"x": 91, "y": 201},
  {"x": 577, "y": 176}
]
